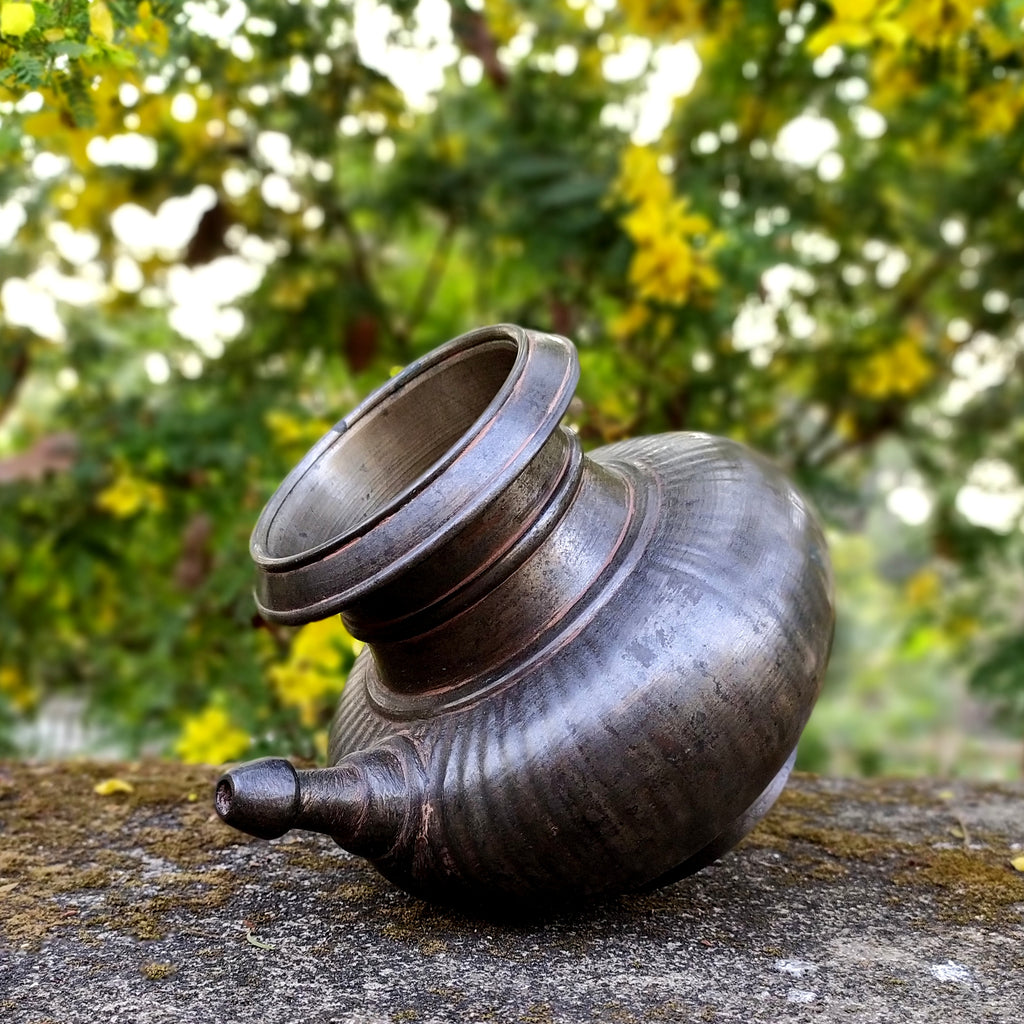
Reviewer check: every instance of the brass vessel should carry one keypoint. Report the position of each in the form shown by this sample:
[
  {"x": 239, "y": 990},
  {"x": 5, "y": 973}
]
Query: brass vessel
[{"x": 583, "y": 673}]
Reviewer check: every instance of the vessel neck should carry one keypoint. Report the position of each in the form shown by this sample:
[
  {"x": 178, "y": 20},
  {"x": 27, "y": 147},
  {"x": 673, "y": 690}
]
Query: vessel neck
[
  {"x": 474, "y": 638},
  {"x": 477, "y": 557}
]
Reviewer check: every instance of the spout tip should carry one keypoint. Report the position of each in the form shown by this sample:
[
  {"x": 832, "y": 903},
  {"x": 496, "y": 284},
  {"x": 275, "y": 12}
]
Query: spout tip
[{"x": 259, "y": 797}]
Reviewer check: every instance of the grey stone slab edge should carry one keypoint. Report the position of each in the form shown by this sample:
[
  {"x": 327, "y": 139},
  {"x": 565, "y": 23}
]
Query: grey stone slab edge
[{"x": 750, "y": 939}]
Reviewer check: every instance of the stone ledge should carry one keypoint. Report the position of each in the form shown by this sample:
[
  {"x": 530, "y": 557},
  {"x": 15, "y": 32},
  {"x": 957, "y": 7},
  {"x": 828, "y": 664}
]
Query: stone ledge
[{"x": 853, "y": 901}]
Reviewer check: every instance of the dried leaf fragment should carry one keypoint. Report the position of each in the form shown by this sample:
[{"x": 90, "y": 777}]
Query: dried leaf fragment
[
  {"x": 1018, "y": 862},
  {"x": 258, "y": 943},
  {"x": 108, "y": 787}
]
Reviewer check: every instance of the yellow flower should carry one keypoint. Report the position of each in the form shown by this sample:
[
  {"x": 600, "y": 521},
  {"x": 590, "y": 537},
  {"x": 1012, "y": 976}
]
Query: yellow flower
[
  {"x": 503, "y": 20},
  {"x": 631, "y": 320},
  {"x": 662, "y": 270},
  {"x": 101, "y": 24},
  {"x": 846, "y": 425},
  {"x": 128, "y": 495},
  {"x": 667, "y": 267},
  {"x": 451, "y": 148},
  {"x": 16, "y": 689},
  {"x": 149, "y": 30},
  {"x": 292, "y": 290},
  {"x": 290, "y": 431},
  {"x": 313, "y": 675},
  {"x": 49, "y": 129},
  {"x": 892, "y": 81},
  {"x": 901, "y": 370},
  {"x": 938, "y": 23},
  {"x": 922, "y": 588},
  {"x": 641, "y": 179},
  {"x": 960, "y": 627},
  {"x": 653, "y": 17},
  {"x": 209, "y": 738},
  {"x": 853, "y": 10},
  {"x": 324, "y": 643},
  {"x": 999, "y": 44},
  {"x": 859, "y": 23},
  {"x": 652, "y": 221},
  {"x": 16, "y": 19},
  {"x": 998, "y": 108}
]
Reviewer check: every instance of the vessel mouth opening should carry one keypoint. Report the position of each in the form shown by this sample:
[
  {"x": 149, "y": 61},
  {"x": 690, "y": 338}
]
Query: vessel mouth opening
[
  {"x": 223, "y": 797},
  {"x": 389, "y": 449}
]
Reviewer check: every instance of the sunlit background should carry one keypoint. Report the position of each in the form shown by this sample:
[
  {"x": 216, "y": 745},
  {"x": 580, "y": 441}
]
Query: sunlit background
[{"x": 800, "y": 225}]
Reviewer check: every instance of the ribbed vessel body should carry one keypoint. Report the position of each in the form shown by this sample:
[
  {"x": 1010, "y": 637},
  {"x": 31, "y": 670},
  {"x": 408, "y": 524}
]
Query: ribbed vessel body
[
  {"x": 619, "y": 742},
  {"x": 590, "y": 671}
]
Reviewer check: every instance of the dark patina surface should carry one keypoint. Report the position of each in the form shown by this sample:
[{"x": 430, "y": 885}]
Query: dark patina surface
[
  {"x": 583, "y": 673},
  {"x": 852, "y": 901}
]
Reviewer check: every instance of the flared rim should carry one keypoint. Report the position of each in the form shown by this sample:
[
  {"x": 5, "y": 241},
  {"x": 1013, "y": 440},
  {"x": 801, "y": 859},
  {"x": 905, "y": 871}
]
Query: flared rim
[{"x": 498, "y": 445}]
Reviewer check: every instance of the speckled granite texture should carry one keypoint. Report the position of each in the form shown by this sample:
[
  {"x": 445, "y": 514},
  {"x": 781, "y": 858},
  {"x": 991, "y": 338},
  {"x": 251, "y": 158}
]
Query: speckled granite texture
[{"x": 853, "y": 901}]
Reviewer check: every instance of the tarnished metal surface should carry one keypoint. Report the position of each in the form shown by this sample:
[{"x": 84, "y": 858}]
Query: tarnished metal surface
[{"x": 583, "y": 674}]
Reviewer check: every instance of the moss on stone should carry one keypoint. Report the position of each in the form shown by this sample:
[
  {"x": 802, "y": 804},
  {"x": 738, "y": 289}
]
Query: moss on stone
[
  {"x": 157, "y": 971},
  {"x": 973, "y": 885},
  {"x": 135, "y": 862},
  {"x": 433, "y": 946},
  {"x": 355, "y": 892},
  {"x": 64, "y": 839},
  {"x": 448, "y": 993},
  {"x": 301, "y": 855},
  {"x": 538, "y": 1013}
]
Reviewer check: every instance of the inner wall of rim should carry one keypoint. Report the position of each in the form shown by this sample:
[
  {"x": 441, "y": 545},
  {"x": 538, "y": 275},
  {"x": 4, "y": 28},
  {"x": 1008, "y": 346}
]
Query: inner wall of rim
[{"x": 389, "y": 448}]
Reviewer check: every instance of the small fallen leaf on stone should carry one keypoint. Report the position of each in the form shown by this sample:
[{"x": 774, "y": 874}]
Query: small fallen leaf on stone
[
  {"x": 1018, "y": 862},
  {"x": 108, "y": 787},
  {"x": 258, "y": 943}
]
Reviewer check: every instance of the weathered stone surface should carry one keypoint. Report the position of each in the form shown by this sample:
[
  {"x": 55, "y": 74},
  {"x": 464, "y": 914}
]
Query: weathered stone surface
[{"x": 854, "y": 901}]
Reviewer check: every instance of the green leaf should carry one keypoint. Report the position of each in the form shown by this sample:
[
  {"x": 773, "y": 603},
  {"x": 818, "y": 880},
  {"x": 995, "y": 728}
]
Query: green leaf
[
  {"x": 118, "y": 56},
  {"x": 532, "y": 167},
  {"x": 572, "y": 192},
  {"x": 1001, "y": 675},
  {"x": 69, "y": 48},
  {"x": 27, "y": 70}
]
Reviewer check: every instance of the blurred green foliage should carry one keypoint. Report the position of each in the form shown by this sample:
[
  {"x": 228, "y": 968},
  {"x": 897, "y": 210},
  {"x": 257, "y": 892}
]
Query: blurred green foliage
[{"x": 226, "y": 221}]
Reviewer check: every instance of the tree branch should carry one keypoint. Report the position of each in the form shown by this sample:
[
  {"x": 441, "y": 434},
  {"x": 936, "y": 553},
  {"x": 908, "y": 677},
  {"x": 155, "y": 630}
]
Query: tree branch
[
  {"x": 13, "y": 375},
  {"x": 362, "y": 270}
]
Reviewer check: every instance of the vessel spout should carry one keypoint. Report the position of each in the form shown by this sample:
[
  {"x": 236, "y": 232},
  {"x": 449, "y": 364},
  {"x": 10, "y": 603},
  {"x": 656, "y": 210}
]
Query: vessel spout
[
  {"x": 260, "y": 797},
  {"x": 363, "y": 802}
]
